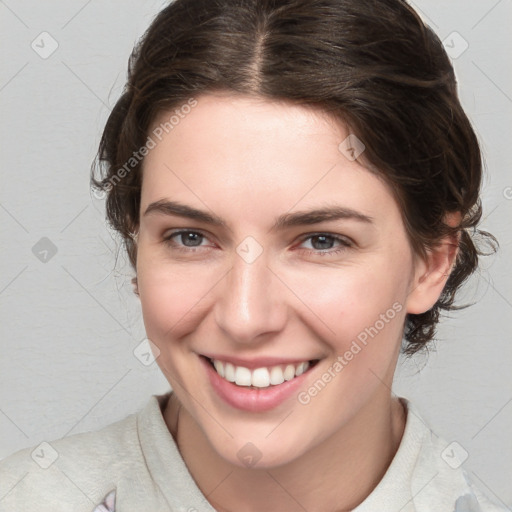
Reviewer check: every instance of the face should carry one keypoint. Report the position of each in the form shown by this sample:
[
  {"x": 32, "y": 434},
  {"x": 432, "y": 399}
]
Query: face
[{"x": 257, "y": 281}]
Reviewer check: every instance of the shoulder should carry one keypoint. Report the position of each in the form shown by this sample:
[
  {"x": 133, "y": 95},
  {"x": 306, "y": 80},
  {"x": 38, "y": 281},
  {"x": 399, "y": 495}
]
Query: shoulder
[
  {"x": 439, "y": 480},
  {"x": 79, "y": 470}
]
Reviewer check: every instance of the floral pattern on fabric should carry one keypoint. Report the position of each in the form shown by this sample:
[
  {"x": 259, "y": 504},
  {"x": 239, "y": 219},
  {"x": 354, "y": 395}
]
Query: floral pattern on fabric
[{"x": 108, "y": 504}]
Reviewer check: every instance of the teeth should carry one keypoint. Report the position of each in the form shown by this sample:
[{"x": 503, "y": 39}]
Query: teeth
[
  {"x": 219, "y": 367},
  {"x": 300, "y": 369},
  {"x": 242, "y": 376},
  {"x": 260, "y": 377},
  {"x": 289, "y": 372},
  {"x": 276, "y": 375},
  {"x": 230, "y": 371}
]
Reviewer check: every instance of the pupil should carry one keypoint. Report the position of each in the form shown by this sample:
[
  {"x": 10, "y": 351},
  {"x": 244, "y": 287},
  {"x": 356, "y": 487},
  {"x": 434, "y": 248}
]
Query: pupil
[
  {"x": 322, "y": 239},
  {"x": 191, "y": 237}
]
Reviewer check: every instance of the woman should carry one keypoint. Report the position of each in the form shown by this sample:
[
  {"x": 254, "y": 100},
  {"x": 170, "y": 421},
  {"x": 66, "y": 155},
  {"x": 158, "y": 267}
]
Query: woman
[{"x": 295, "y": 183}]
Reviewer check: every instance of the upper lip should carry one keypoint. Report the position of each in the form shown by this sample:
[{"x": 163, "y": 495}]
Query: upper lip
[{"x": 257, "y": 362}]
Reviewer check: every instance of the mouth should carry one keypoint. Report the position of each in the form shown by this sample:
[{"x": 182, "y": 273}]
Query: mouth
[{"x": 260, "y": 378}]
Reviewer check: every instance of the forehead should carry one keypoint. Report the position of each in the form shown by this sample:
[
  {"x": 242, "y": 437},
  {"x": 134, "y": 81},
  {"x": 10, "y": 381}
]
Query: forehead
[{"x": 252, "y": 155}]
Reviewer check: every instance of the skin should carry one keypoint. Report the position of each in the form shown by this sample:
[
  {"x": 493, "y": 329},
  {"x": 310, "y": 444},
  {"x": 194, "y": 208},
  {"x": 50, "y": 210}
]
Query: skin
[{"x": 250, "y": 160}]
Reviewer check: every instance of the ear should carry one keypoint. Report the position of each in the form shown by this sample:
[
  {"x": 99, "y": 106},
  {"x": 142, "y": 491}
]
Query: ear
[
  {"x": 135, "y": 238},
  {"x": 135, "y": 286},
  {"x": 432, "y": 271}
]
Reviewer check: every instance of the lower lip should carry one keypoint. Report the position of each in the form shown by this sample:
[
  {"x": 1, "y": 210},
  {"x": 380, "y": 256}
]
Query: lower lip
[{"x": 253, "y": 399}]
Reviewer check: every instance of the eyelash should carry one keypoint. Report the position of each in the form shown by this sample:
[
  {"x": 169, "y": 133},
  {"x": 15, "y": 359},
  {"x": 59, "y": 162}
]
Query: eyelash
[{"x": 345, "y": 244}]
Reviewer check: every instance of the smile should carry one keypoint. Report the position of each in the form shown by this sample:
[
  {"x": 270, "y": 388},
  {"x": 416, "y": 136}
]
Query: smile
[
  {"x": 256, "y": 385},
  {"x": 259, "y": 377}
]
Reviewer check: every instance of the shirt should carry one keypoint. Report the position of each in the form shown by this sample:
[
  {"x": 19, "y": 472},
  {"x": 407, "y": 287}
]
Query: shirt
[{"x": 134, "y": 464}]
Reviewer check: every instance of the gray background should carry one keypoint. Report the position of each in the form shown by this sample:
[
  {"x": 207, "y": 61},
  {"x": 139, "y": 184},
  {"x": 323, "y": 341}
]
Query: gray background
[{"x": 69, "y": 325}]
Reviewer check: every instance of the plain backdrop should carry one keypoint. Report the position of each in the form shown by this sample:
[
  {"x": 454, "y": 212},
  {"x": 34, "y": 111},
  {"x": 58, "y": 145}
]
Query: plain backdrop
[{"x": 69, "y": 321}]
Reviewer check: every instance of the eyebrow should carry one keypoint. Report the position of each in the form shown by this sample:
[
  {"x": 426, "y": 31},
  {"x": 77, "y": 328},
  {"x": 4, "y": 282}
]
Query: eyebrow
[{"x": 301, "y": 218}]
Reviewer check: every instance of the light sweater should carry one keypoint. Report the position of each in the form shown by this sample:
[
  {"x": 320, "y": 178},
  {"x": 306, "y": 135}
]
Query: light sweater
[{"x": 134, "y": 465}]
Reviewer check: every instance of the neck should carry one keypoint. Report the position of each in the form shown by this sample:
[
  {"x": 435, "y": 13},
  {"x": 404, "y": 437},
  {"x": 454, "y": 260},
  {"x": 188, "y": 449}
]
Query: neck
[{"x": 338, "y": 474}]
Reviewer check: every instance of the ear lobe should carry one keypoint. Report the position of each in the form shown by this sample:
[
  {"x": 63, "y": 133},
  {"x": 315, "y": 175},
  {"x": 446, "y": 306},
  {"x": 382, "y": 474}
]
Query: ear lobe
[{"x": 431, "y": 275}]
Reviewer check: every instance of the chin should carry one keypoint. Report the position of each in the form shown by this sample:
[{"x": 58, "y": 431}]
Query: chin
[{"x": 257, "y": 456}]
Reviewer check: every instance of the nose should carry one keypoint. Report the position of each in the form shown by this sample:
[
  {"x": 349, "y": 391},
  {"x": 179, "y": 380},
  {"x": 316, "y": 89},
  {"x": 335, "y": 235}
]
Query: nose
[{"x": 251, "y": 302}]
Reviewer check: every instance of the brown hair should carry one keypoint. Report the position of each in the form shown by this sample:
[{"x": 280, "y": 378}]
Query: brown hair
[{"x": 372, "y": 64}]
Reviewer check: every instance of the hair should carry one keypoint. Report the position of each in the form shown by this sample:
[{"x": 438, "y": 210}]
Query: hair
[{"x": 371, "y": 64}]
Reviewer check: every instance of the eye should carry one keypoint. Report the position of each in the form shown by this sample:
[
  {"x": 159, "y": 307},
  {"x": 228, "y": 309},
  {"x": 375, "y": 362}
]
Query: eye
[
  {"x": 187, "y": 240},
  {"x": 184, "y": 240},
  {"x": 323, "y": 242}
]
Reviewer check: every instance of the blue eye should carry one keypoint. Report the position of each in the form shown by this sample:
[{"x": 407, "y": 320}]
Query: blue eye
[
  {"x": 186, "y": 237},
  {"x": 187, "y": 240},
  {"x": 326, "y": 241}
]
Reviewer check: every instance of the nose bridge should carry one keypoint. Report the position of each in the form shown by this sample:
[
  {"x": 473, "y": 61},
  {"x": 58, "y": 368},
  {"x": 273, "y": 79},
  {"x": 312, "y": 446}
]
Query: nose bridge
[{"x": 251, "y": 303}]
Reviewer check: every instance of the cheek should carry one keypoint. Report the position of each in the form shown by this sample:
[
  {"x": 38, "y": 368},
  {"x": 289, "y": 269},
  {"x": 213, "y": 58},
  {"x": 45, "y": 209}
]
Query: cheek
[
  {"x": 172, "y": 297},
  {"x": 360, "y": 305},
  {"x": 363, "y": 308}
]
